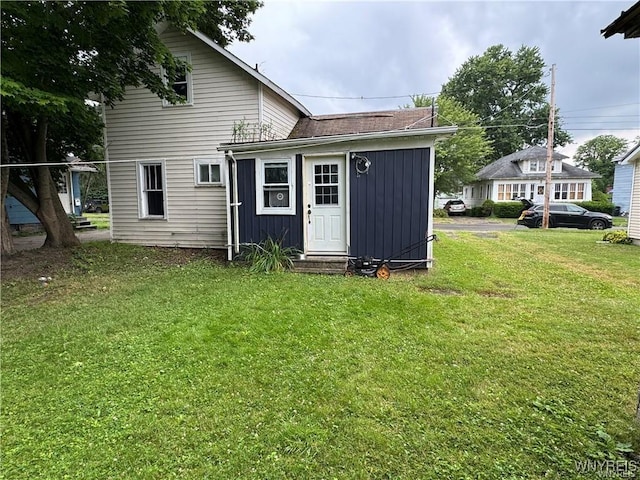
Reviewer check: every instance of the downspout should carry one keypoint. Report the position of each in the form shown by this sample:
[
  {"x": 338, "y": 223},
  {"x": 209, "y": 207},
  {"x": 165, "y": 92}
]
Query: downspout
[{"x": 234, "y": 201}]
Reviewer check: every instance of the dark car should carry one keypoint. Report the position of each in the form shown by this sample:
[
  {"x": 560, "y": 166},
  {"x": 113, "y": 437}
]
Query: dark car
[
  {"x": 455, "y": 207},
  {"x": 564, "y": 215},
  {"x": 96, "y": 205}
]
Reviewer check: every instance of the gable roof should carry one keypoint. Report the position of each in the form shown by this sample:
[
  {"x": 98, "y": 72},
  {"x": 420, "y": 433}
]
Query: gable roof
[
  {"x": 631, "y": 156},
  {"x": 628, "y": 23},
  {"x": 508, "y": 166},
  {"x": 251, "y": 71},
  {"x": 363, "y": 122}
]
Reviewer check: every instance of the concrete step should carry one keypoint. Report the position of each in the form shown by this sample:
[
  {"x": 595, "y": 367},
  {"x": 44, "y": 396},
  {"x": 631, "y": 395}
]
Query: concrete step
[
  {"x": 329, "y": 265},
  {"x": 85, "y": 227}
]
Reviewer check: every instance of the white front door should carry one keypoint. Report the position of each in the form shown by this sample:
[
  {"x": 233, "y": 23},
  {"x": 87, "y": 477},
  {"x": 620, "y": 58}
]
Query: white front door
[{"x": 325, "y": 205}]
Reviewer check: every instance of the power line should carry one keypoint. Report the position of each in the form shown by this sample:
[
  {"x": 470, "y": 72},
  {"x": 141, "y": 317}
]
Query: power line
[
  {"x": 599, "y": 108},
  {"x": 328, "y": 97}
]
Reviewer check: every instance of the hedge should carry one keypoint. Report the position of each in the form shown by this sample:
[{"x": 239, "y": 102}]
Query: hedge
[
  {"x": 603, "y": 207},
  {"x": 508, "y": 209}
]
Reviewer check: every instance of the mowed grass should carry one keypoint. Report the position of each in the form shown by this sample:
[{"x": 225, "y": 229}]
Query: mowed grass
[
  {"x": 100, "y": 220},
  {"x": 515, "y": 357}
]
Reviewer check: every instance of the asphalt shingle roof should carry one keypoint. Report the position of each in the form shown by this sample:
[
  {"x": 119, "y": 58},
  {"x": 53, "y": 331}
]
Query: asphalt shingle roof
[
  {"x": 508, "y": 167},
  {"x": 365, "y": 122}
]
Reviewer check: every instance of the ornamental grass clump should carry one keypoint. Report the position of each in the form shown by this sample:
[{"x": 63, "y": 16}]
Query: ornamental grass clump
[{"x": 269, "y": 256}]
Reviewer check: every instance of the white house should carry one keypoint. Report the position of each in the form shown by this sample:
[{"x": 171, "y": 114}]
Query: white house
[
  {"x": 167, "y": 180},
  {"x": 632, "y": 158},
  {"x": 522, "y": 175}
]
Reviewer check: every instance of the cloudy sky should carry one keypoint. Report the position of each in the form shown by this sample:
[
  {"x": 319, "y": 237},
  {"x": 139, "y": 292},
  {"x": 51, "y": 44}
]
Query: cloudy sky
[{"x": 347, "y": 56}]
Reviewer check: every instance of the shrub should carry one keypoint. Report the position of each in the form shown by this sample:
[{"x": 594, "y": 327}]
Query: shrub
[
  {"x": 476, "y": 212},
  {"x": 617, "y": 236},
  {"x": 269, "y": 256},
  {"x": 598, "y": 196},
  {"x": 603, "y": 207},
  {"x": 440, "y": 213},
  {"x": 487, "y": 207},
  {"x": 508, "y": 209}
]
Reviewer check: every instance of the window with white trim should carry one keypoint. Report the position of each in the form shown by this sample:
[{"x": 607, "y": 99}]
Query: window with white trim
[
  {"x": 275, "y": 189},
  {"x": 152, "y": 190},
  {"x": 182, "y": 83},
  {"x": 569, "y": 191},
  {"x": 208, "y": 171}
]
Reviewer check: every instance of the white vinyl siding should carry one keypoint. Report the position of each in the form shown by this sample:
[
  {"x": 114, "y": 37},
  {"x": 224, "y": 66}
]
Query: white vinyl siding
[
  {"x": 278, "y": 114},
  {"x": 634, "y": 211},
  {"x": 140, "y": 128}
]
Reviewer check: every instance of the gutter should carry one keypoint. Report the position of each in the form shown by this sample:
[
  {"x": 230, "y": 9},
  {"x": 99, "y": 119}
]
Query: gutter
[{"x": 290, "y": 143}]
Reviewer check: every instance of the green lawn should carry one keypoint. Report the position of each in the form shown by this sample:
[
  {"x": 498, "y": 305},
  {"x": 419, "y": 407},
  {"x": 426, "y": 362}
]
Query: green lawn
[
  {"x": 101, "y": 220},
  {"x": 515, "y": 357}
]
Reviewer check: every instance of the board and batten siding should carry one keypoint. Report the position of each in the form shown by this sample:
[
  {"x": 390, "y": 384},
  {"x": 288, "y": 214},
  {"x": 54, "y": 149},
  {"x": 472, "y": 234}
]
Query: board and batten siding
[
  {"x": 390, "y": 204},
  {"x": 634, "y": 214},
  {"x": 278, "y": 114},
  {"x": 140, "y": 128}
]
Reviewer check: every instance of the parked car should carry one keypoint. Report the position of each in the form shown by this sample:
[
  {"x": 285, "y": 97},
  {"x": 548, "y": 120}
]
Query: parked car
[
  {"x": 96, "y": 205},
  {"x": 564, "y": 215},
  {"x": 455, "y": 207}
]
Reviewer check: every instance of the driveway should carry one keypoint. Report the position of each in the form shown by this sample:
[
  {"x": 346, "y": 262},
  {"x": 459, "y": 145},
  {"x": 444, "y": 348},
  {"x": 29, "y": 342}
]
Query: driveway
[
  {"x": 473, "y": 224},
  {"x": 36, "y": 241}
]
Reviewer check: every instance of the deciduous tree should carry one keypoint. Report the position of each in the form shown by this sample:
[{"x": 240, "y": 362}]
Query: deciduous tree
[
  {"x": 506, "y": 91},
  {"x": 461, "y": 155},
  {"x": 597, "y": 156}
]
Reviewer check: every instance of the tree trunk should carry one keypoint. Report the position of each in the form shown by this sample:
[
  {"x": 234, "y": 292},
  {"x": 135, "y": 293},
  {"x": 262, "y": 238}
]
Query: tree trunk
[
  {"x": 45, "y": 204},
  {"x": 51, "y": 213},
  {"x": 5, "y": 229}
]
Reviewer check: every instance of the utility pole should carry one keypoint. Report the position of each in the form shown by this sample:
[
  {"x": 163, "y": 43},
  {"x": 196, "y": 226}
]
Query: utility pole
[{"x": 547, "y": 183}]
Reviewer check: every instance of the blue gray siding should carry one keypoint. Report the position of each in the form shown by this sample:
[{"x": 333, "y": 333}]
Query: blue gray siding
[
  {"x": 389, "y": 204},
  {"x": 622, "y": 186},
  {"x": 19, "y": 214},
  {"x": 255, "y": 228}
]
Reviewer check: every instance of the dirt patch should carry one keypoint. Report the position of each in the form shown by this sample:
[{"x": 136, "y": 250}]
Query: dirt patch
[
  {"x": 440, "y": 291},
  {"x": 32, "y": 264}
]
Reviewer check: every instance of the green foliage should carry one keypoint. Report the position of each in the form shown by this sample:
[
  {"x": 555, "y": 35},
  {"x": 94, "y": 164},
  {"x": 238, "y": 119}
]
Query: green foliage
[
  {"x": 460, "y": 156},
  {"x": 440, "y": 213},
  {"x": 506, "y": 91},
  {"x": 150, "y": 368},
  {"x": 603, "y": 207},
  {"x": 617, "y": 236},
  {"x": 269, "y": 256},
  {"x": 477, "y": 212},
  {"x": 597, "y": 156},
  {"x": 487, "y": 206},
  {"x": 507, "y": 209}
]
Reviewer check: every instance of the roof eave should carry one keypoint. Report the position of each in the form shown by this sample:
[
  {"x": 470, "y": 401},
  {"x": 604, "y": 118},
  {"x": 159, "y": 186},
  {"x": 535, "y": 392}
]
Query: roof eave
[
  {"x": 254, "y": 73},
  {"x": 436, "y": 132}
]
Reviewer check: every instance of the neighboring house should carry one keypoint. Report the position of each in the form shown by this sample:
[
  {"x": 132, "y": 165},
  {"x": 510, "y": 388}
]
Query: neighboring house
[
  {"x": 356, "y": 184},
  {"x": 622, "y": 177},
  {"x": 169, "y": 177},
  {"x": 628, "y": 24},
  {"x": 522, "y": 175},
  {"x": 20, "y": 217},
  {"x": 632, "y": 159}
]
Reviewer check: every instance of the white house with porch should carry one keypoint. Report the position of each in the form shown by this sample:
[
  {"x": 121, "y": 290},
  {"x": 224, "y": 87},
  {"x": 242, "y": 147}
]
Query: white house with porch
[{"x": 522, "y": 175}]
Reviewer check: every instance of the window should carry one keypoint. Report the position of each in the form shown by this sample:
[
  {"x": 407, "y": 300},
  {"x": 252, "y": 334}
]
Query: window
[
  {"x": 208, "y": 171},
  {"x": 181, "y": 83},
  {"x": 536, "y": 166},
  {"x": 532, "y": 191},
  {"x": 569, "y": 191},
  {"x": 275, "y": 192},
  {"x": 519, "y": 190},
  {"x": 501, "y": 191},
  {"x": 325, "y": 181},
  {"x": 152, "y": 190}
]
